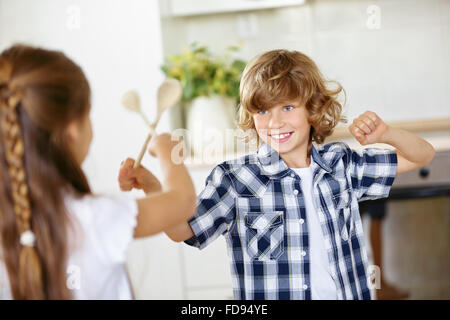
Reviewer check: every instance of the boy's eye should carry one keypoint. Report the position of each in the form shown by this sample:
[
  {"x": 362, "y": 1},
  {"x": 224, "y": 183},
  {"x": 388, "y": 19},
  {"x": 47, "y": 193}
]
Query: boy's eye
[{"x": 288, "y": 108}]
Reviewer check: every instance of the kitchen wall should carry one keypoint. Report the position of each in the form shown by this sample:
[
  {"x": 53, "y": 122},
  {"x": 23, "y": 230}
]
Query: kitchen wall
[{"x": 391, "y": 56}]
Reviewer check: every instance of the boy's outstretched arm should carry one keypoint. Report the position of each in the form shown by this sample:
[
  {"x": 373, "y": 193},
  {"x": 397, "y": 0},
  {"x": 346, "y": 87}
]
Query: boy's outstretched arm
[
  {"x": 181, "y": 232},
  {"x": 412, "y": 151}
]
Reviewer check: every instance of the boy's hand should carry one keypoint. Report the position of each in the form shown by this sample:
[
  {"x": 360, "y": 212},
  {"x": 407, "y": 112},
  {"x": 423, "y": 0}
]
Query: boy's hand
[
  {"x": 139, "y": 178},
  {"x": 368, "y": 128}
]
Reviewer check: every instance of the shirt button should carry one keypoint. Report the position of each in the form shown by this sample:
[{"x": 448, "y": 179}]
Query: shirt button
[
  {"x": 305, "y": 287},
  {"x": 303, "y": 253},
  {"x": 296, "y": 192},
  {"x": 302, "y": 221},
  {"x": 292, "y": 175}
]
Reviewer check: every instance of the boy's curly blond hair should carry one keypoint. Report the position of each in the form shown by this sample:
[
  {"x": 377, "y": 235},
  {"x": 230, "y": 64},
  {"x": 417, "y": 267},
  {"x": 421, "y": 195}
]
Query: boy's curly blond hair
[{"x": 279, "y": 76}]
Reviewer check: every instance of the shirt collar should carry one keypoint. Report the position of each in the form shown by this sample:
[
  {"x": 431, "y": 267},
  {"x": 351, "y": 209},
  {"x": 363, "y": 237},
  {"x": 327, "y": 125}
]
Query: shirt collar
[{"x": 275, "y": 167}]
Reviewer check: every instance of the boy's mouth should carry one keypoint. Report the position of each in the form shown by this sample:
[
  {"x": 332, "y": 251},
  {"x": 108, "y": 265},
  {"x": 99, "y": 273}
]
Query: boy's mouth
[{"x": 282, "y": 137}]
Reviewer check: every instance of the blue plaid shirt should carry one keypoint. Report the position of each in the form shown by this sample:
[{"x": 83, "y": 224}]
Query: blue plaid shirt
[{"x": 257, "y": 204}]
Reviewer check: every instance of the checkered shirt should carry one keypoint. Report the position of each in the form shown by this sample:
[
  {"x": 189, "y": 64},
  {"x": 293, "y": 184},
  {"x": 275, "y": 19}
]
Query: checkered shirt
[{"x": 256, "y": 203}]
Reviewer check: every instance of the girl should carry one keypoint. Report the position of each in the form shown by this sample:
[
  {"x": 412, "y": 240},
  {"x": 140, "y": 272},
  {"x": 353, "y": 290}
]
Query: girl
[{"x": 58, "y": 240}]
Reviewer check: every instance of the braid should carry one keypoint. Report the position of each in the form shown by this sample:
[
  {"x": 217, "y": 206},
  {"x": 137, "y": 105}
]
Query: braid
[{"x": 30, "y": 273}]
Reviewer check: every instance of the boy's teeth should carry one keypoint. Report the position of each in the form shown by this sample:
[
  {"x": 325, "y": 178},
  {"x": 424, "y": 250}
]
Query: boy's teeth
[{"x": 280, "y": 136}]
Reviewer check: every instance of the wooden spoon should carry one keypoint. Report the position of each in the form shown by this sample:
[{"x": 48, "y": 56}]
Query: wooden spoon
[
  {"x": 169, "y": 93},
  {"x": 131, "y": 101}
]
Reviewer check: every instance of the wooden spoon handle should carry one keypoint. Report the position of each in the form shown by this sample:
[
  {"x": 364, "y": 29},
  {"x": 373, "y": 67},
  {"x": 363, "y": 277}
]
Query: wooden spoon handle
[{"x": 144, "y": 147}]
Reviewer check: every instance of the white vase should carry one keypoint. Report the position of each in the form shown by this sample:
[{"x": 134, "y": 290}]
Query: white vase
[{"x": 210, "y": 122}]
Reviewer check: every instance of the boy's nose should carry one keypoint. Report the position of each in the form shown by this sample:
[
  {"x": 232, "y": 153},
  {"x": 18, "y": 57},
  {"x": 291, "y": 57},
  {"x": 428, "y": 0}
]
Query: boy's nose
[{"x": 276, "y": 121}]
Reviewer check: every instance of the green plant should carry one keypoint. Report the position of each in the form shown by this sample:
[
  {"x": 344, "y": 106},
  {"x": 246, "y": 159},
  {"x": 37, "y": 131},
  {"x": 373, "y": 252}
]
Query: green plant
[{"x": 202, "y": 73}]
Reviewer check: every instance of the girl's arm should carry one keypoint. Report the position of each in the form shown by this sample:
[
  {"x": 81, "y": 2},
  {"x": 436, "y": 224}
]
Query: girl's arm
[
  {"x": 174, "y": 203},
  {"x": 141, "y": 178},
  {"x": 412, "y": 151}
]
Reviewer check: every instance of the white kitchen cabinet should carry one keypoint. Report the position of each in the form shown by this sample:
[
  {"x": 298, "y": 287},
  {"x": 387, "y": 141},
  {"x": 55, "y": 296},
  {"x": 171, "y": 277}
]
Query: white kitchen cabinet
[
  {"x": 207, "y": 272},
  {"x": 197, "y": 7}
]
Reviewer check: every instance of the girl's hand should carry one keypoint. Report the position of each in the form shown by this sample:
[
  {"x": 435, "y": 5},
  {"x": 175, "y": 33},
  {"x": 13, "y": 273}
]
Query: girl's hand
[
  {"x": 368, "y": 128},
  {"x": 165, "y": 145},
  {"x": 139, "y": 178}
]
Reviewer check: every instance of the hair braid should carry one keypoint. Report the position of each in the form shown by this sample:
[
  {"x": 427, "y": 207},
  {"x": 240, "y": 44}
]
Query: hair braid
[
  {"x": 30, "y": 273},
  {"x": 41, "y": 92}
]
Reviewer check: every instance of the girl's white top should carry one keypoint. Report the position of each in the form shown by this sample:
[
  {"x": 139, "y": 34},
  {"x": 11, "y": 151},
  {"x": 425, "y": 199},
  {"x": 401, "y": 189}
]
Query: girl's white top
[{"x": 103, "y": 228}]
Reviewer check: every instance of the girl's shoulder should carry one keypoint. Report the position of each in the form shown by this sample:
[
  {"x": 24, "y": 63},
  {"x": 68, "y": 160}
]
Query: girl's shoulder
[
  {"x": 109, "y": 221},
  {"x": 89, "y": 208}
]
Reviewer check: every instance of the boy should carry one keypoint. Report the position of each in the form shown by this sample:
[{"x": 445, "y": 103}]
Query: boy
[{"x": 289, "y": 213}]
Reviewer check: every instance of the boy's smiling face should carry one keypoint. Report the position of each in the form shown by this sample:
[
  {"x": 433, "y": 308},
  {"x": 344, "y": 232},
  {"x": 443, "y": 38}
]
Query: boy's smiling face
[{"x": 286, "y": 129}]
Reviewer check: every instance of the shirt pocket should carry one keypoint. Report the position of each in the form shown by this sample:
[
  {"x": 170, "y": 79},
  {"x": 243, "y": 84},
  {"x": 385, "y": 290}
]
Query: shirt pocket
[
  {"x": 264, "y": 235},
  {"x": 342, "y": 205}
]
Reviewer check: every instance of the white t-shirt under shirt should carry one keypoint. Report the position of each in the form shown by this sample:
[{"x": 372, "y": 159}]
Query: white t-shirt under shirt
[
  {"x": 322, "y": 284},
  {"x": 96, "y": 268}
]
